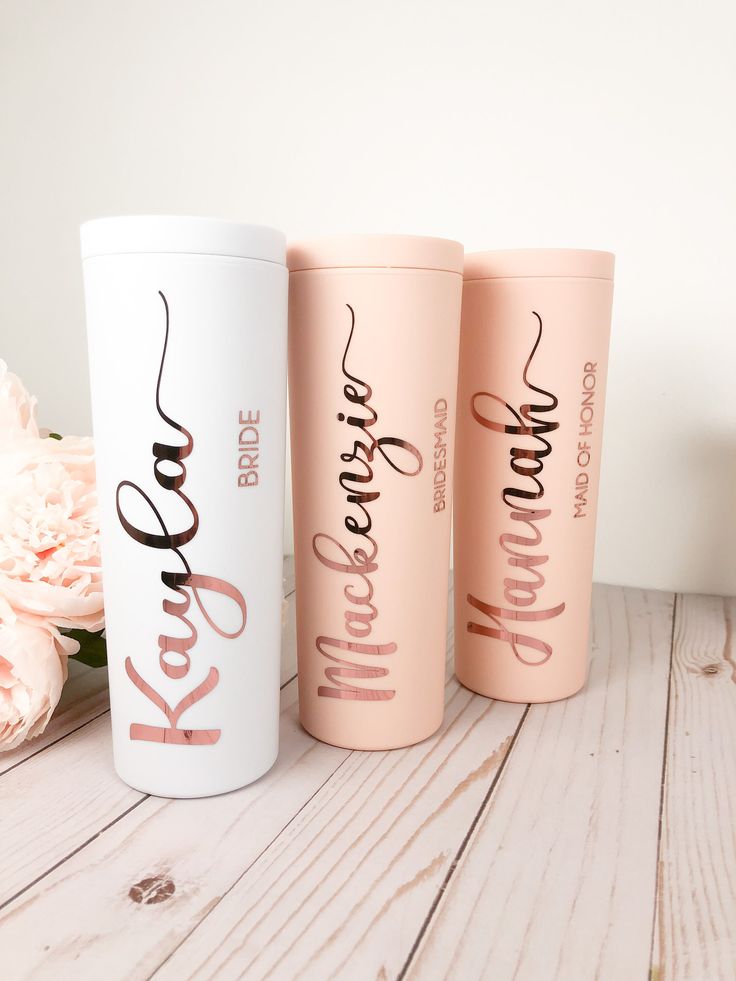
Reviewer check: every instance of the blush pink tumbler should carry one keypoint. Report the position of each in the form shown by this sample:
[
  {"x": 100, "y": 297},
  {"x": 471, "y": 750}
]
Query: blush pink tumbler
[
  {"x": 532, "y": 382},
  {"x": 373, "y": 347}
]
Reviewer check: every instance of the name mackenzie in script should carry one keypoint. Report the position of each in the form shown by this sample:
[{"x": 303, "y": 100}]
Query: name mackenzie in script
[{"x": 357, "y": 556}]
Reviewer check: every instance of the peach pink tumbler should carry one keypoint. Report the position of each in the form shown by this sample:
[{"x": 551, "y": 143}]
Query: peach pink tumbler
[
  {"x": 532, "y": 382},
  {"x": 373, "y": 346}
]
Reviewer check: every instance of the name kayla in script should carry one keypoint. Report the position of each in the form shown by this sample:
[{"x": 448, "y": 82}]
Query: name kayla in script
[
  {"x": 174, "y": 654},
  {"x": 522, "y": 497},
  {"x": 357, "y": 556}
]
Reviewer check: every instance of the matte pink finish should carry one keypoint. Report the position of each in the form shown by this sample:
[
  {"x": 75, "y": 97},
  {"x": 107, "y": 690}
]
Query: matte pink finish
[
  {"x": 372, "y": 378},
  {"x": 533, "y": 360}
]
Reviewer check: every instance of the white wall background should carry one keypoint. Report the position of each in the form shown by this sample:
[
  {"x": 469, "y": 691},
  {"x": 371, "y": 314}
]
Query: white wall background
[{"x": 502, "y": 124}]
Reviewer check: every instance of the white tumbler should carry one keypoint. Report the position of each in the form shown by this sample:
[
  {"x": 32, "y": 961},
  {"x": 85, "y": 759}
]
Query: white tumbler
[{"x": 186, "y": 322}]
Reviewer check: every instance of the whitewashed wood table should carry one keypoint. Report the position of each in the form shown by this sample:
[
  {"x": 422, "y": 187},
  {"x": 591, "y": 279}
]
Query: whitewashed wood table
[{"x": 591, "y": 838}]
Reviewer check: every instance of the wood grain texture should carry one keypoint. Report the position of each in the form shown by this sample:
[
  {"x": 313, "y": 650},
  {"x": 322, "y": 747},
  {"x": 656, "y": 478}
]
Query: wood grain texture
[
  {"x": 118, "y": 881},
  {"x": 59, "y": 790},
  {"x": 516, "y": 843},
  {"x": 558, "y": 878},
  {"x": 56, "y": 802},
  {"x": 199, "y": 846},
  {"x": 695, "y": 927},
  {"x": 83, "y": 698},
  {"x": 344, "y": 890}
]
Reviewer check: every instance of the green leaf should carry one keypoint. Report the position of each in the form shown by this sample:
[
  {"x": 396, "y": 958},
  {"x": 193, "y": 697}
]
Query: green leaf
[
  {"x": 92, "y": 648},
  {"x": 56, "y": 436}
]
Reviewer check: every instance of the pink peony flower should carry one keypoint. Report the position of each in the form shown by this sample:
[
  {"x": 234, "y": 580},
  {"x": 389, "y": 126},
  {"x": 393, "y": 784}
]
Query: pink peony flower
[
  {"x": 50, "y": 534},
  {"x": 50, "y": 573},
  {"x": 31, "y": 678},
  {"x": 17, "y": 407}
]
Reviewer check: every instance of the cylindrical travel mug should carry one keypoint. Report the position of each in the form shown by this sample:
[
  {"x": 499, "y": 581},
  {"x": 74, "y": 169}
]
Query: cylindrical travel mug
[
  {"x": 373, "y": 346},
  {"x": 186, "y": 323},
  {"x": 532, "y": 384}
]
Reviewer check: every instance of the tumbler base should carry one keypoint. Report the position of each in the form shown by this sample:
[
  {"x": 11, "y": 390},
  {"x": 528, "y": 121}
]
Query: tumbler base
[
  {"x": 499, "y": 695},
  {"x": 178, "y": 792},
  {"x": 370, "y": 746}
]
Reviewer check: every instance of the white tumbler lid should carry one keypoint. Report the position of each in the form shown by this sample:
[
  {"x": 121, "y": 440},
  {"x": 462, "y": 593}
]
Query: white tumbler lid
[{"x": 169, "y": 233}]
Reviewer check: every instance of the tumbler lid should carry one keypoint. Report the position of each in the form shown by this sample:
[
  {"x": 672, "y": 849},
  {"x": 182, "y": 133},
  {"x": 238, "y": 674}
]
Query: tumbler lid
[
  {"x": 170, "y": 233},
  {"x": 376, "y": 252},
  {"x": 539, "y": 263}
]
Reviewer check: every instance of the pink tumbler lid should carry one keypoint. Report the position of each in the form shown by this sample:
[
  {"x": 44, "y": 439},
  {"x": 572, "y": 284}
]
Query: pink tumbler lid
[
  {"x": 376, "y": 252},
  {"x": 535, "y": 263}
]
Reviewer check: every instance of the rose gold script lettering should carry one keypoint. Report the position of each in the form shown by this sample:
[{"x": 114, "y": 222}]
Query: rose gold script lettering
[
  {"x": 360, "y": 560},
  {"x": 174, "y": 652},
  {"x": 523, "y": 549}
]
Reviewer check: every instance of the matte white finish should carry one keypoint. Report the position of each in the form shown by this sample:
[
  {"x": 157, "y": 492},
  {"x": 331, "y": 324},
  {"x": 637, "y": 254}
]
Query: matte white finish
[
  {"x": 176, "y": 234},
  {"x": 222, "y": 379}
]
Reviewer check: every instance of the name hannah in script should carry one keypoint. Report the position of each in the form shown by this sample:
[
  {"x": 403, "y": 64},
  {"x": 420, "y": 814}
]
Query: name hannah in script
[{"x": 525, "y": 557}]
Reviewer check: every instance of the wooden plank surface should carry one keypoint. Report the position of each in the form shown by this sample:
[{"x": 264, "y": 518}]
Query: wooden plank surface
[
  {"x": 68, "y": 771},
  {"x": 695, "y": 928},
  {"x": 84, "y": 697},
  {"x": 56, "y": 802},
  {"x": 198, "y": 847},
  {"x": 344, "y": 890},
  {"x": 519, "y": 842},
  {"x": 557, "y": 880}
]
